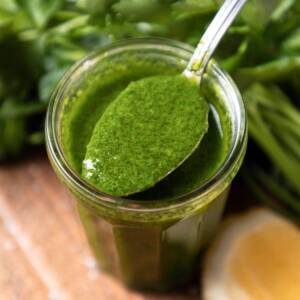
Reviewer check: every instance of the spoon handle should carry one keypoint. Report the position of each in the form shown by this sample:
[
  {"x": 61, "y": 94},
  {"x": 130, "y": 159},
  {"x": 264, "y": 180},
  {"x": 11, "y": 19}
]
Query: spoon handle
[{"x": 212, "y": 36}]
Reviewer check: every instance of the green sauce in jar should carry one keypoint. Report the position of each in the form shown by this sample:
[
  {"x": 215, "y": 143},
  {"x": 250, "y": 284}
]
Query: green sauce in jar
[
  {"x": 88, "y": 105},
  {"x": 147, "y": 251}
]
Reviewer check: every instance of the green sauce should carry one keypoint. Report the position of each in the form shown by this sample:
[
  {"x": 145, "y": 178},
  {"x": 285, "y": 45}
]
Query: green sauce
[
  {"x": 162, "y": 252},
  {"x": 95, "y": 109},
  {"x": 146, "y": 132}
]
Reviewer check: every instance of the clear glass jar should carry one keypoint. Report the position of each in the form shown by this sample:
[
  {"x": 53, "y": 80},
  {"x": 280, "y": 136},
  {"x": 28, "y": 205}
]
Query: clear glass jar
[{"x": 148, "y": 244}]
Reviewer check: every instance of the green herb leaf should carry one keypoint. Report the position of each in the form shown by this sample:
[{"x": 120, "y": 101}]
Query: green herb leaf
[
  {"x": 8, "y": 6},
  {"x": 291, "y": 44},
  {"x": 258, "y": 13},
  {"x": 40, "y": 11}
]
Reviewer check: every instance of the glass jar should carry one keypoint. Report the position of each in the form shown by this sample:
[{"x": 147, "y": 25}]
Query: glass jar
[{"x": 148, "y": 244}]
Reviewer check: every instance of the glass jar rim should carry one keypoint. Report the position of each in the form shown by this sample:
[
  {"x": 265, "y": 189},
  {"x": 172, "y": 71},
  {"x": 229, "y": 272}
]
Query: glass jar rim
[{"x": 234, "y": 156}]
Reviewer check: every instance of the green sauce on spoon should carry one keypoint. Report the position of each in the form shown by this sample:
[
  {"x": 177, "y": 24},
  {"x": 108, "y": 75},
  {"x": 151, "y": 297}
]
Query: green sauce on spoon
[{"x": 144, "y": 134}]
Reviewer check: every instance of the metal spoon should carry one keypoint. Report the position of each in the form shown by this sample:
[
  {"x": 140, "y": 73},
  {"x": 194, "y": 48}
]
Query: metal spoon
[{"x": 212, "y": 37}]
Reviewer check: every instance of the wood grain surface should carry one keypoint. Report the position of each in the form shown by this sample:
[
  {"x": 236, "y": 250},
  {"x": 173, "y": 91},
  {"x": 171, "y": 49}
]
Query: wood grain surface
[{"x": 43, "y": 250}]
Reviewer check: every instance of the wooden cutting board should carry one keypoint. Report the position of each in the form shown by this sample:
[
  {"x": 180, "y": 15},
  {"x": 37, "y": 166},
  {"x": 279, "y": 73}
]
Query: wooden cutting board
[{"x": 43, "y": 251}]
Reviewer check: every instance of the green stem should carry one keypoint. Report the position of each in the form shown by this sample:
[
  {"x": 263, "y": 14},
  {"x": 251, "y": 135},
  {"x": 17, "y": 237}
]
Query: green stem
[
  {"x": 257, "y": 190},
  {"x": 291, "y": 144},
  {"x": 261, "y": 133},
  {"x": 234, "y": 61},
  {"x": 69, "y": 25},
  {"x": 263, "y": 196},
  {"x": 242, "y": 29},
  {"x": 278, "y": 189},
  {"x": 281, "y": 123},
  {"x": 271, "y": 71}
]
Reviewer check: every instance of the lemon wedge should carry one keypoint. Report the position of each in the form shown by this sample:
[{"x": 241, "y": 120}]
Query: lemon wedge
[{"x": 255, "y": 257}]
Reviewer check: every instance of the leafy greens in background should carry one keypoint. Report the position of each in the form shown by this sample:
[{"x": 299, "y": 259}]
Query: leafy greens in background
[{"x": 40, "y": 39}]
